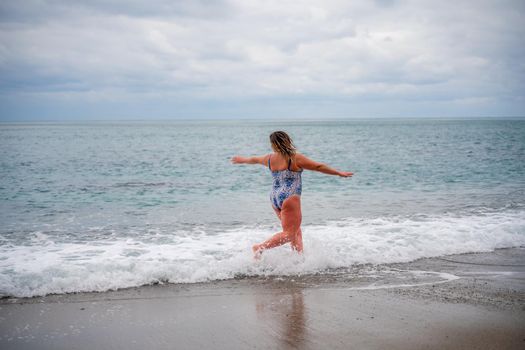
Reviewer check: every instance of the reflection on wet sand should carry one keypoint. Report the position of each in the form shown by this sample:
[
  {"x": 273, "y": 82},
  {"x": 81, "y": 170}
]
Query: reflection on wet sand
[{"x": 284, "y": 312}]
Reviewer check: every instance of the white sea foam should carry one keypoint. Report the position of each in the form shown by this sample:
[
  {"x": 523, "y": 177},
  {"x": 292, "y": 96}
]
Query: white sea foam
[{"x": 46, "y": 266}]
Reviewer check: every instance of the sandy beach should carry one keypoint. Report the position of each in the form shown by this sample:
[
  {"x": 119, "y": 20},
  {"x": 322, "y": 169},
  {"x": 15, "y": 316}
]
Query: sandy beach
[{"x": 467, "y": 301}]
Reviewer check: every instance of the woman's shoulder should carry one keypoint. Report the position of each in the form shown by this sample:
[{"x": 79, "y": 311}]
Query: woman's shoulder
[
  {"x": 303, "y": 161},
  {"x": 299, "y": 157}
]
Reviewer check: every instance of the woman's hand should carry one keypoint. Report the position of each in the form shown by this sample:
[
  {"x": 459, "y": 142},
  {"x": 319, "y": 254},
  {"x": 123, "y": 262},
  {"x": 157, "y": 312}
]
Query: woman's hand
[
  {"x": 237, "y": 160},
  {"x": 345, "y": 174}
]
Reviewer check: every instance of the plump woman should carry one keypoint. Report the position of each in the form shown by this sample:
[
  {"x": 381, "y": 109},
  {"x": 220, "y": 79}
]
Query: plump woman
[{"x": 286, "y": 166}]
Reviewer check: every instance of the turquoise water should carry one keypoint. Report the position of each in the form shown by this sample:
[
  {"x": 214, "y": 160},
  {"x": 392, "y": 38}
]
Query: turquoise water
[{"x": 157, "y": 183}]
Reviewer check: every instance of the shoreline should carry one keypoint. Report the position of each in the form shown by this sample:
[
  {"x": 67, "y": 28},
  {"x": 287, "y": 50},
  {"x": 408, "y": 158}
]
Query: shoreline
[{"x": 463, "y": 301}]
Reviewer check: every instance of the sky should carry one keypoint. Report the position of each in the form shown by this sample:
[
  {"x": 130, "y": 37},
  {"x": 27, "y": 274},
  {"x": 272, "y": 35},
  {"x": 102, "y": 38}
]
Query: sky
[{"x": 228, "y": 59}]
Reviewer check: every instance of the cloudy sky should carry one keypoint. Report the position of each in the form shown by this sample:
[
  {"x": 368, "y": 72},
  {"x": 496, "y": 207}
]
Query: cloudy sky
[{"x": 156, "y": 59}]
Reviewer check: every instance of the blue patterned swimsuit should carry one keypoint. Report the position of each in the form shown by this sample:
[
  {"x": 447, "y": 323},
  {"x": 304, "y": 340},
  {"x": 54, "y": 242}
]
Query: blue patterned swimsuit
[{"x": 285, "y": 184}]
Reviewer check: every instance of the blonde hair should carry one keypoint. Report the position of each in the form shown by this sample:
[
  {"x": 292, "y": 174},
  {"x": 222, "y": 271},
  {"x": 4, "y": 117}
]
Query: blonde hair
[{"x": 283, "y": 144}]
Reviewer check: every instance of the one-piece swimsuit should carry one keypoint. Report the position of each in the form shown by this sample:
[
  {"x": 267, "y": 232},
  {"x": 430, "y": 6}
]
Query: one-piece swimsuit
[{"x": 286, "y": 183}]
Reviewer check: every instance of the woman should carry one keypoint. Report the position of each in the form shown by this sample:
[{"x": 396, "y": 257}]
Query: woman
[{"x": 286, "y": 166}]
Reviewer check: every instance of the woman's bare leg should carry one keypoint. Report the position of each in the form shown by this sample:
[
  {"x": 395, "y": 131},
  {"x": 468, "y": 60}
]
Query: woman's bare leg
[
  {"x": 291, "y": 217},
  {"x": 297, "y": 242}
]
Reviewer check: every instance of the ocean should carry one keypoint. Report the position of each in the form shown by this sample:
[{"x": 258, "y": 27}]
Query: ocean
[{"x": 95, "y": 206}]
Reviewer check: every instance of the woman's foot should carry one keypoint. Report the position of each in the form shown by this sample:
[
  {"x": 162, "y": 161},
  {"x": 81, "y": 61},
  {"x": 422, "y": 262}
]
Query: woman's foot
[{"x": 257, "y": 251}]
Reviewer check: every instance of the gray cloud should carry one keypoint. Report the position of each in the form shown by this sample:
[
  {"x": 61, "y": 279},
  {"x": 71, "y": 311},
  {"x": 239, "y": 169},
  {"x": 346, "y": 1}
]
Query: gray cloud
[{"x": 409, "y": 55}]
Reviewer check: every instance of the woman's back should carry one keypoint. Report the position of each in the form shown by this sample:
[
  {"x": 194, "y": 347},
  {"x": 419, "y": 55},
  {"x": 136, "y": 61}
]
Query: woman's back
[{"x": 278, "y": 163}]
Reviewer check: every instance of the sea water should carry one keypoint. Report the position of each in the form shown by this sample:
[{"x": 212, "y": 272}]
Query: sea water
[{"x": 103, "y": 205}]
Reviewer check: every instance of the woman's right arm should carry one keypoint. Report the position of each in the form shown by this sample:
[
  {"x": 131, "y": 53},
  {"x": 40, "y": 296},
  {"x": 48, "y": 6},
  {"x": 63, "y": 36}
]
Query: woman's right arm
[
  {"x": 309, "y": 164},
  {"x": 250, "y": 160}
]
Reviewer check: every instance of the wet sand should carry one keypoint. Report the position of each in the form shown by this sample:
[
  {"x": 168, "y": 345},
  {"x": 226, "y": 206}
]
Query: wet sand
[{"x": 468, "y": 301}]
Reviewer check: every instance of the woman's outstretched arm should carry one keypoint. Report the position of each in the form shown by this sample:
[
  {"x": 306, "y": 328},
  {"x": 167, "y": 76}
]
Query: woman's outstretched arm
[
  {"x": 309, "y": 164},
  {"x": 250, "y": 160}
]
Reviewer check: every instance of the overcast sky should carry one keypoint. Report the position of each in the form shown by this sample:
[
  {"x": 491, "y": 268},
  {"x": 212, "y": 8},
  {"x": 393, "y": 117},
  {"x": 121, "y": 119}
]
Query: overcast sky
[{"x": 128, "y": 59}]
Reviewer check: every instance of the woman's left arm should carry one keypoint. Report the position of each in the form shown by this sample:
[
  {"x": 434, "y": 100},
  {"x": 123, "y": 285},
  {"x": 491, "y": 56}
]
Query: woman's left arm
[
  {"x": 250, "y": 160},
  {"x": 306, "y": 163}
]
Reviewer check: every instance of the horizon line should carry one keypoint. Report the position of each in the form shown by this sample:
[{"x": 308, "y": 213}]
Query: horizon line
[{"x": 247, "y": 119}]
